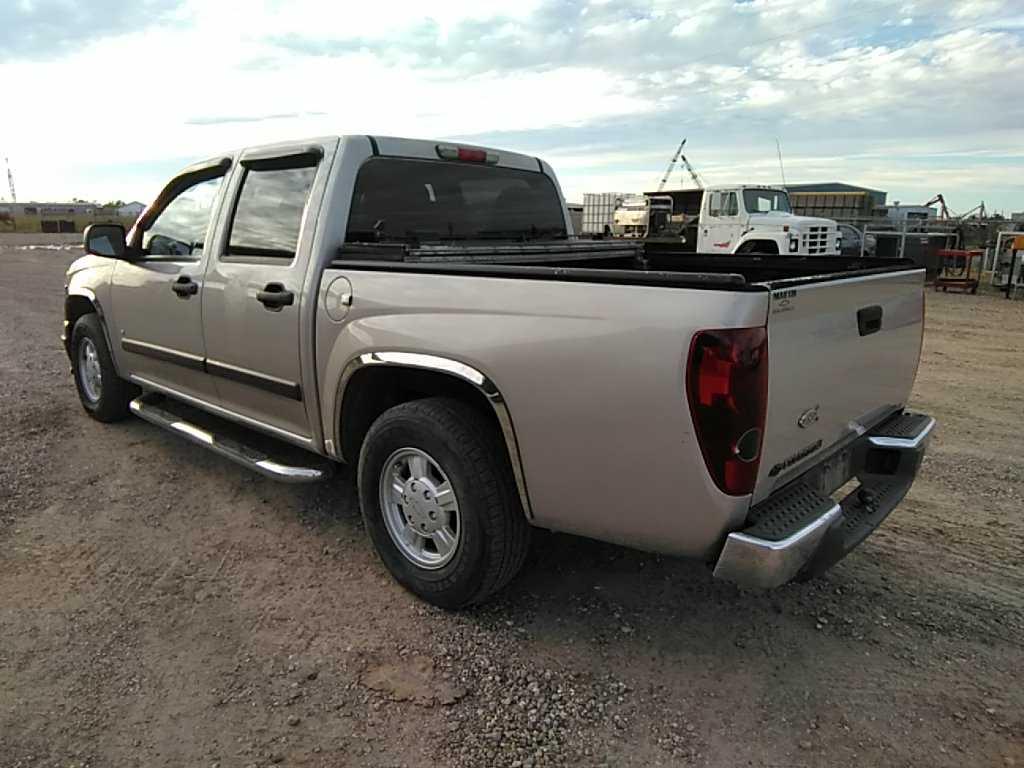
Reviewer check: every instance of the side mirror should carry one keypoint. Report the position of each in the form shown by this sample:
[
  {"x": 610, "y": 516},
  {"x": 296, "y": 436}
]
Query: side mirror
[{"x": 105, "y": 240}]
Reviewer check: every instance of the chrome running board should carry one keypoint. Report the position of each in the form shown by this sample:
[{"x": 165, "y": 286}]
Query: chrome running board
[{"x": 146, "y": 407}]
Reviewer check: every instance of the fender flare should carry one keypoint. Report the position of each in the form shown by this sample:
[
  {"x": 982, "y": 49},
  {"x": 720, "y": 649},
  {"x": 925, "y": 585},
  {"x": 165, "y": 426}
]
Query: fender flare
[
  {"x": 450, "y": 367},
  {"x": 87, "y": 294}
]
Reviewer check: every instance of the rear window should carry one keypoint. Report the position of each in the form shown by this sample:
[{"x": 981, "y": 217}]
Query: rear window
[
  {"x": 397, "y": 200},
  {"x": 268, "y": 215}
]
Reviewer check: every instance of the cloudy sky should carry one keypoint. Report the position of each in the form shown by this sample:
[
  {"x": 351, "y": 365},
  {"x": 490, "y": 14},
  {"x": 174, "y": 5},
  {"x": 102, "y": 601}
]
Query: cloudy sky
[{"x": 105, "y": 99}]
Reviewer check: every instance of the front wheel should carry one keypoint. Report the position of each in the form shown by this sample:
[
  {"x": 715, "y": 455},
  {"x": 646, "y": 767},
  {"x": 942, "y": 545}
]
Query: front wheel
[
  {"x": 103, "y": 395},
  {"x": 439, "y": 503}
]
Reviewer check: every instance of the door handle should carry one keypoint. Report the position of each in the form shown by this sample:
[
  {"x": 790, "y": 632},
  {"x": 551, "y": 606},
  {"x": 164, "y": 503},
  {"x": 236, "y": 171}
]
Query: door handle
[
  {"x": 869, "y": 320},
  {"x": 274, "y": 296},
  {"x": 185, "y": 286}
]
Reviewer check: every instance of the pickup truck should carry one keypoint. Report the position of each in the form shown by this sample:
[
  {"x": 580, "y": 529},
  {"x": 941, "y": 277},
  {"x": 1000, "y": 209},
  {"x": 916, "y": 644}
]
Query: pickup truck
[{"x": 419, "y": 310}]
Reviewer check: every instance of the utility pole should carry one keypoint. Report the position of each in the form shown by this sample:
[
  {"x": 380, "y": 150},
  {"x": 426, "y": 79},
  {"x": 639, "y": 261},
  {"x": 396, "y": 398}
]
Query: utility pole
[{"x": 10, "y": 181}]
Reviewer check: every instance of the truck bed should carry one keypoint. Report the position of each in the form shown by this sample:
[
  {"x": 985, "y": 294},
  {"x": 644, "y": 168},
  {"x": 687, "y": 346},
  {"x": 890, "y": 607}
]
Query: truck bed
[{"x": 610, "y": 262}]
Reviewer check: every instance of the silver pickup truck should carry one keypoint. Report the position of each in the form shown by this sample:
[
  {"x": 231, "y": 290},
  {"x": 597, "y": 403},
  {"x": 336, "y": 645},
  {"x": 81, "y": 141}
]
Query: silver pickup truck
[{"x": 422, "y": 310}]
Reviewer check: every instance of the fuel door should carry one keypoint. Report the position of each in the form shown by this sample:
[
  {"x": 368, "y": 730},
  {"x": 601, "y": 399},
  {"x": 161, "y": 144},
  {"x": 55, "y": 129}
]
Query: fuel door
[{"x": 338, "y": 299}]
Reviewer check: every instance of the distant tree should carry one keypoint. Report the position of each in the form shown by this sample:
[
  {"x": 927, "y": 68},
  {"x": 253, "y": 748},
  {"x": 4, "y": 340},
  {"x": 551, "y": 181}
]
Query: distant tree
[{"x": 115, "y": 204}]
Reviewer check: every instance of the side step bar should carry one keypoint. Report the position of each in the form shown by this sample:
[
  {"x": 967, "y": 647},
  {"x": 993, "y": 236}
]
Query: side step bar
[{"x": 146, "y": 407}]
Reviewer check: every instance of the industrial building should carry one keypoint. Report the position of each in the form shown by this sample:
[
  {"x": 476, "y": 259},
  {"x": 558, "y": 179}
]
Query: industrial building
[{"x": 64, "y": 217}]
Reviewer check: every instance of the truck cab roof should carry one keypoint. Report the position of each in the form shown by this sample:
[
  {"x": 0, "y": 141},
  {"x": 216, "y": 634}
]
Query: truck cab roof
[{"x": 394, "y": 146}]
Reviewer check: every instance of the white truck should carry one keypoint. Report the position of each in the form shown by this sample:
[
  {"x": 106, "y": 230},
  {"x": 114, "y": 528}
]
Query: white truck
[{"x": 736, "y": 219}]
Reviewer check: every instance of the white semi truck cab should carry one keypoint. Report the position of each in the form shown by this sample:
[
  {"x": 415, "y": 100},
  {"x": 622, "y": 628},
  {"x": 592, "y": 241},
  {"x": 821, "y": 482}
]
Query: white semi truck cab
[
  {"x": 731, "y": 219},
  {"x": 758, "y": 219}
]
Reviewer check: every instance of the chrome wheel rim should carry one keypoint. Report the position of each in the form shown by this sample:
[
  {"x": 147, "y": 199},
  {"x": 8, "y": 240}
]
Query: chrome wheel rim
[
  {"x": 420, "y": 510},
  {"x": 90, "y": 375}
]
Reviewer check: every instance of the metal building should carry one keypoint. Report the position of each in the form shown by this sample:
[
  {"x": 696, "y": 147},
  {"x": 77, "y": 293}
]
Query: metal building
[{"x": 835, "y": 200}]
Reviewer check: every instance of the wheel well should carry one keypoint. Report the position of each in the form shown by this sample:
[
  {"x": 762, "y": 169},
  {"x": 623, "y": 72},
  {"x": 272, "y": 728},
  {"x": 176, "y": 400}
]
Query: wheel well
[
  {"x": 75, "y": 307},
  {"x": 769, "y": 247},
  {"x": 373, "y": 390}
]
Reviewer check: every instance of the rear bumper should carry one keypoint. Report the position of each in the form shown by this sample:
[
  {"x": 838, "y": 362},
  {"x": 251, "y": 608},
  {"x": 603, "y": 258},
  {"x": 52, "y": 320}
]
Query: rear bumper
[{"x": 799, "y": 531}]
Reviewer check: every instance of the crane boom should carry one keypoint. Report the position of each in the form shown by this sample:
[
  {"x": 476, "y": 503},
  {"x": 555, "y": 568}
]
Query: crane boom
[
  {"x": 943, "y": 210},
  {"x": 693, "y": 174},
  {"x": 671, "y": 165}
]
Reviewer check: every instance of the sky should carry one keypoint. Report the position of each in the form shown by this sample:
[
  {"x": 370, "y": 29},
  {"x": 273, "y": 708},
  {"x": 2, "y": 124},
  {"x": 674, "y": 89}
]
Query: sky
[{"x": 105, "y": 100}]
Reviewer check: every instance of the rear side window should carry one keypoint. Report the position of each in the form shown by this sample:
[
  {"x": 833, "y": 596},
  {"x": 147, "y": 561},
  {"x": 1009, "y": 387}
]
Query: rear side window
[
  {"x": 269, "y": 211},
  {"x": 400, "y": 200}
]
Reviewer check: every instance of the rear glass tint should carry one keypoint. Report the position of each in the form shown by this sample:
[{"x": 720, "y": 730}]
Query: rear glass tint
[
  {"x": 426, "y": 200},
  {"x": 269, "y": 212}
]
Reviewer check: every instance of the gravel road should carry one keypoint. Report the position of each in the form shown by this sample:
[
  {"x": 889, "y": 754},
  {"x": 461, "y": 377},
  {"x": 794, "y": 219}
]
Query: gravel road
[{"x": 160, "y": 606}]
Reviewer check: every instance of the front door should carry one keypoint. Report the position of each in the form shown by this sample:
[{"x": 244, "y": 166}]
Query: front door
[
  {"x": 253, "y": 293},
  {"x": 156, "y": 299},
  {"x": 722, "y": 226}
]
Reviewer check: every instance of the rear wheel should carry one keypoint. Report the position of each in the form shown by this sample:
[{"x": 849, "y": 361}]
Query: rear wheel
[
  {"x": 439, "y": 503},
  {"x": 103, "y": 395}
]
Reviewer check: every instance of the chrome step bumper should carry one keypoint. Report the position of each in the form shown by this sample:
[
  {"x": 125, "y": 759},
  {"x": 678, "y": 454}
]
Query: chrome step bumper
[
  {"x": 798, "y": 531},
  {"x": 147, "y": 407}
]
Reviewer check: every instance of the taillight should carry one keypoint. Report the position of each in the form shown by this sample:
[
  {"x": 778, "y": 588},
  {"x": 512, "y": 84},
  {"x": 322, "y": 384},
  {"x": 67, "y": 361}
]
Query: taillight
[{"x": 727, "y": 387}]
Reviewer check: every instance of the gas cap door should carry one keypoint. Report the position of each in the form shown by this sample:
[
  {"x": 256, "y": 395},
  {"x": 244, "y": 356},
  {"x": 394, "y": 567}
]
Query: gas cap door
[{"x": 338, "y": 299}]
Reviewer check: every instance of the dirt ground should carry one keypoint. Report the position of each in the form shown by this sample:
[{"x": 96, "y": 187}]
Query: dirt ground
[{"x": 160, "y": 606}]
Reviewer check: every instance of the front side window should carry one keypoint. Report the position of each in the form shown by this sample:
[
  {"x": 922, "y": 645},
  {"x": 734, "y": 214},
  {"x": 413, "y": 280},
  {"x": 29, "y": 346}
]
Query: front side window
[
  {"x": 268, "y": 215},
  {"x": 715, "y": 205},
  {"x": 766, "y": 201},
  {"x": 180, "y": 228},
  {"x": 400, "y": 200}
]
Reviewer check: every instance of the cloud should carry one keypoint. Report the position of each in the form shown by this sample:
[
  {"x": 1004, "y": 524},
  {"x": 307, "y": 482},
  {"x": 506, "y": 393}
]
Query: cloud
[
  {"x": 251, "y": 118},
  {"x": 605, "y": 90},
  {"x": 47, "y": 29}
]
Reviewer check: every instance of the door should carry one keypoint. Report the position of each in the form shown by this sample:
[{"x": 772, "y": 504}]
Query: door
[
  {"x": 722, "y": 226},
  {"x": 253, "y": 292},
  {"x": 157, "y": 297}
]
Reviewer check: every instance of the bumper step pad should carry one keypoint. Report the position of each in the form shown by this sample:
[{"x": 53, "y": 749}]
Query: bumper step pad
[
  {"x": 785, "y": 513},
  {"x": 798, "y": 532}
]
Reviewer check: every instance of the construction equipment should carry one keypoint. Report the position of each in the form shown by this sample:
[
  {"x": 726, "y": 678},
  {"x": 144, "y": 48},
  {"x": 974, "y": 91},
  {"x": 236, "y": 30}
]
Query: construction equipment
[
  {"x": 686, "y": 164},
  {"x": 978, "y": 209},
  {"x": 943, "y": 210},
  {"x": 10, "y": 181}
]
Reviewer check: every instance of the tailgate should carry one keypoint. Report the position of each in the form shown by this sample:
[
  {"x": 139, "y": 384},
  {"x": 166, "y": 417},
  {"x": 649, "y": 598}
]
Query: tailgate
[{"x": 842, "y": 355}]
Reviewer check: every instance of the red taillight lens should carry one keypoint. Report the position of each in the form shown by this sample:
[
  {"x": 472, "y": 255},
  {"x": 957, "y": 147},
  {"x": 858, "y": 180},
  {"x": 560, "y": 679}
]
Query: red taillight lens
[
  {"x": 472, "y": 155},
  {"x": 727, "y": 386},
  {"x": 466, "y": 154}
]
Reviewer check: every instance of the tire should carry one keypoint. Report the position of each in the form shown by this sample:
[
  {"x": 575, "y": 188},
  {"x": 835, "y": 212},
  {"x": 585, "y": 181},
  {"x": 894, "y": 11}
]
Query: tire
[
  {"x": 462, "y": 446},
  {"x": 106, "y": 398}
]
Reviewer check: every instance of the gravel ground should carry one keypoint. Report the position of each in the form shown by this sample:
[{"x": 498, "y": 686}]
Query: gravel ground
[{"x": 162, "y": 607}]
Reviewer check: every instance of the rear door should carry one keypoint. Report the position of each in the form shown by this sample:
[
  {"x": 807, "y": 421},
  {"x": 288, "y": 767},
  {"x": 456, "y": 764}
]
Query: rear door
[
  {"x": 842, "y": 354},
  {"x": 157, "y": 297},
  {"x": 252, "y": 302}
]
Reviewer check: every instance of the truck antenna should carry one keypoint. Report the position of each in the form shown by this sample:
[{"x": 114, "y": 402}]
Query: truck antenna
[{"x": 782, "y": 169}]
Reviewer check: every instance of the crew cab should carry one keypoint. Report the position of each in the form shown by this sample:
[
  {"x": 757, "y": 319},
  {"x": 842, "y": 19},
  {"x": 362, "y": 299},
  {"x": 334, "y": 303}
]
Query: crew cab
[{"x": 418, "y": 309}]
